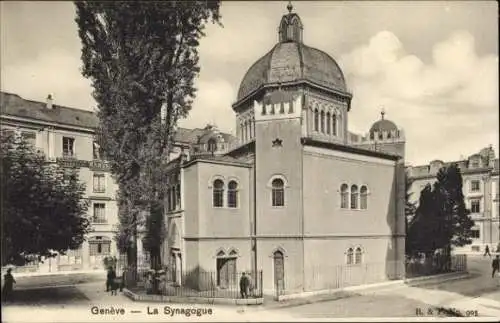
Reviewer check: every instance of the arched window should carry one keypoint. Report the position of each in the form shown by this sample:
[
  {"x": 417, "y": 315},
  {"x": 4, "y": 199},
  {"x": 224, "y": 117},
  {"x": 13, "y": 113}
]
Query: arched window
[
  {"x": 212, "y": 145},
  {"x": 316, "y": 120},
  {"x": 363, "y": 201},
  {"x": 218, "y": 193},
  {"x": 323, "y": 121},
  {"x": 232, "y": 194},
  {"x": 344, "y": 196},
  {"x": 334, "y": 125},
  {"x": 354, "y": 197},
  {"x": 357, "y": 256},
  {"x": 278, "y": 192},
  {"x": 328, "y": 123},
  {"x": 350, "y": 256},
  {"x": 250, "y": 126}
]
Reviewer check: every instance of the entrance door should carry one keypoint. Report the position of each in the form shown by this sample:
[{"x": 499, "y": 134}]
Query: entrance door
[
  {"x": 279, "y": 272},
  {"x": 226, "y": 272},
  {"x": 173, "y": 270}
]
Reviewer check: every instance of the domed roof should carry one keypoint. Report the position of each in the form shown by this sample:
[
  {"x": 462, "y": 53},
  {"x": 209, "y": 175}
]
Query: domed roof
[
  {"x": 290, "y": 60},
  {"x": 383, "y": 125}
]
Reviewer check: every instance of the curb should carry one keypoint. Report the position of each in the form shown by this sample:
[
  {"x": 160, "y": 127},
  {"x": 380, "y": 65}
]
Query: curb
[
  {"x": 436, "y": 279},
  {"x": 191, "y": 300},
  {"x": 385, "y": 285}
]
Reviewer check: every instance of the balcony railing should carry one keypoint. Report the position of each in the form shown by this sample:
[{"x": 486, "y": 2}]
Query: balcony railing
[{"x": 99, "y": 220}]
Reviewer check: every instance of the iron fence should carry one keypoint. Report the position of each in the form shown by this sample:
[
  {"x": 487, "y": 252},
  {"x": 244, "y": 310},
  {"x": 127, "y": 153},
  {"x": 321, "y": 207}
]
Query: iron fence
[
  {"x": 436, "y": 264},
  {"x": 332, "y": 277},
  {"x": 323, "y": 277},
  {"x": 195, "y": 283}
]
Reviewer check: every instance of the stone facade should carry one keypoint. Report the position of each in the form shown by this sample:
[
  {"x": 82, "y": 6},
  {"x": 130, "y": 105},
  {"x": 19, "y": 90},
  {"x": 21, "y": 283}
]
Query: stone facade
[{"x": 294, "y": 194}]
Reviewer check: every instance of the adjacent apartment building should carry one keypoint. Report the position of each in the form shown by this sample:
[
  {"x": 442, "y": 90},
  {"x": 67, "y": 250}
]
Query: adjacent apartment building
[
  {"x": 66, "y": 136},
  {"x": 481, "y": 192}
]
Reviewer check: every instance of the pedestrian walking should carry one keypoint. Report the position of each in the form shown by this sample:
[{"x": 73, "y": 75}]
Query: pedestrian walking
[
  {"x": 244, "y": 282},
  {"x": 110, "y": 278},
  {"x": 487, "y": 251},
  {"x": 495, "y": 265},
  {"x": 8, "y": 286}
]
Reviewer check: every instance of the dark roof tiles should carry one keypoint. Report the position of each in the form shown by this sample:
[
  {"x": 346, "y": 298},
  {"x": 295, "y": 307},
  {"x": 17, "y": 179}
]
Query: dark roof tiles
[{"x": 16, "y": 106}]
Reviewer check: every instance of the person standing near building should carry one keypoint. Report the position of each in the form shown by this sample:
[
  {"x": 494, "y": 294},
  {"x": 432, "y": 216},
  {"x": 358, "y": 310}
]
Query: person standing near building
[
  {"x": 495, "y": 265},
  {"x": 110, "y": 279},
  {"x": 244, "y": 285},
  {"x": 8, "y": 286},
  {"x": 487, "y": 251}
]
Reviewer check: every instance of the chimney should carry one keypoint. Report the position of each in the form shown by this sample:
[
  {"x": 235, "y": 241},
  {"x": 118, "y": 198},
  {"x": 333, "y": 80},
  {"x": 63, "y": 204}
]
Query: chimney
[{"x": 49, "y": 101}]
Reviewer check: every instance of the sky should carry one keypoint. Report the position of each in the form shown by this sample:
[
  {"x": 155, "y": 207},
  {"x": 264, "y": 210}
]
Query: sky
[{"x": 432, "y": 66}]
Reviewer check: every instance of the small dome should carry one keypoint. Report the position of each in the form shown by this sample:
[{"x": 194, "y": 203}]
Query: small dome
[{"x": 383, "y": 125}]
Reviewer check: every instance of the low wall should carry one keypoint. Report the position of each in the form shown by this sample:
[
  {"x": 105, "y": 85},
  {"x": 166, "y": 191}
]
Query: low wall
[{"x": 191, "y": 300}]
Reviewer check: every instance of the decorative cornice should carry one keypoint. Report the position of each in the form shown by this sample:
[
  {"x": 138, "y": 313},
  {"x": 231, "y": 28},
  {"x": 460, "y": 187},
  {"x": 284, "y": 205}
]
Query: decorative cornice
[
  {"x": 257, "y": 91},
  {"x": 217, "y": 162},
  {"x": 296, "y": 237},
  {"x": 349, "y": 149}
]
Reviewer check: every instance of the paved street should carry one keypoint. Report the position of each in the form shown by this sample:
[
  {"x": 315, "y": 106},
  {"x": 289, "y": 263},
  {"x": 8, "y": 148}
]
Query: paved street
[
  {"x": 80, "y": 293},
  {"x": 405, "y": 301}
]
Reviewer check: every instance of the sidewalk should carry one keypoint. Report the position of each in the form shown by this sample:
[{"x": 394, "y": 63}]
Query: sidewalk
[
  {"x": 460, "y": 304},
  {"x": 58, "y": 273}
]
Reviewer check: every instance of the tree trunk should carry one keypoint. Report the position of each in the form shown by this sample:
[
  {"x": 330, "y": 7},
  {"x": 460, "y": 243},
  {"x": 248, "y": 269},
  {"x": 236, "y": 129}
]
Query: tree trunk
[{"x": 132, "y": 258}]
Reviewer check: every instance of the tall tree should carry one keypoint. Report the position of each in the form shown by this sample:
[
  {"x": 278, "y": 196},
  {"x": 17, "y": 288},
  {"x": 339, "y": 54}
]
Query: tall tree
[
  {"x": 422, "y": 228},
  {"x": 43, "y": 206},
  {"x": 451, "y": 207},
  {"x": 410, "y": 207},
  {"x": 142, "y": 59},
  {"x": 441, "y": 220}
]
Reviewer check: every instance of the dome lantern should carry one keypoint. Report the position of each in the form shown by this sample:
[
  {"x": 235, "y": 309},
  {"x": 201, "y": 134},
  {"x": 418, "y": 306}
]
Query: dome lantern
[
  {"x": 290, "y": 29},
  {"x": 382, "y": 125}
]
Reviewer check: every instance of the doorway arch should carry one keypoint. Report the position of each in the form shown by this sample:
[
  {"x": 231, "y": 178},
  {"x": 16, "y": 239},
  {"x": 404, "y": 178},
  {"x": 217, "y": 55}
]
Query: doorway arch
[{"x": 279, "y": 271}]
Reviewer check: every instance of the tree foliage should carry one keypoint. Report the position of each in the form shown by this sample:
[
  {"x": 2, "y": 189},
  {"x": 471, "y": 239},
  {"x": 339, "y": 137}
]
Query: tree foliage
[
  {"x": 43, "y": 205},
  {"x": 410, "y": 207},
  {"x": 441, "y": 219},
  {"x": 142, "y": 59}
]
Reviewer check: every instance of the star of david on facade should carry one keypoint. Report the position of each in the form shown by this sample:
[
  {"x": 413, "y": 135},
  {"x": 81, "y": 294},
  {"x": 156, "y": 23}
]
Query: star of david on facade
[{"x": 277, "y": 142}]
